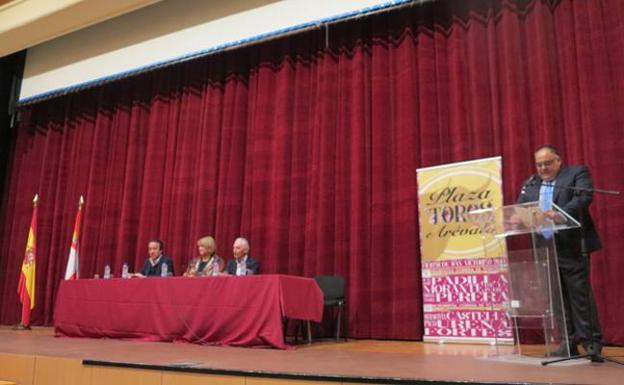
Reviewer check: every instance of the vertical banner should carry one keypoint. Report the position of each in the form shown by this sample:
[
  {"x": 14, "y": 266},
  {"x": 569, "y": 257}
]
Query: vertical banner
[{"x": 464, "y": 288}]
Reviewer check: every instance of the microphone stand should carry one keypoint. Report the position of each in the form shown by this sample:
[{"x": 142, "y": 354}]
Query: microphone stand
[{"x": 591, "y": 351}]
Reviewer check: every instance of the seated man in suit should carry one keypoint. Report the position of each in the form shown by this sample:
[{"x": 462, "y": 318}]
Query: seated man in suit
[
  {"x": 153, "y": 264},
  {"x": 242, "y": 264}
]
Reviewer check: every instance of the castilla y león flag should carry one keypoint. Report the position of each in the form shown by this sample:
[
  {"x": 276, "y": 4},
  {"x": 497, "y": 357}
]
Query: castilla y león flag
[
  {"x": 72, "y": 271},
  {"x": 26, "y": 285}
]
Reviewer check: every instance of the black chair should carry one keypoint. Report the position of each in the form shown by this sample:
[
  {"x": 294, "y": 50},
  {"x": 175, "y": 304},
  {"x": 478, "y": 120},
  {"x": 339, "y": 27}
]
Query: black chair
[{"x": 333, "y": 288}]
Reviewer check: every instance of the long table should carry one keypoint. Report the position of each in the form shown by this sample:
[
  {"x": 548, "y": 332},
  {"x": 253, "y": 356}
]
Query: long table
[{"x": 223, "y": 310}]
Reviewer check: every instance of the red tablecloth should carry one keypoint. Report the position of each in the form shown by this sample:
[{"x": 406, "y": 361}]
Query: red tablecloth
[{"x": 224, "y": 310}]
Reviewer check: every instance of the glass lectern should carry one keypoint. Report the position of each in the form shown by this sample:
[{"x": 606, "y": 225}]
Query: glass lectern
[{"x": 534, "y": 302}]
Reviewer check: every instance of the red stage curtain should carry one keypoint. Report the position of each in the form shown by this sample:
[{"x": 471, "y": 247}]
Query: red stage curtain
[{"x": 308, "y": 146}]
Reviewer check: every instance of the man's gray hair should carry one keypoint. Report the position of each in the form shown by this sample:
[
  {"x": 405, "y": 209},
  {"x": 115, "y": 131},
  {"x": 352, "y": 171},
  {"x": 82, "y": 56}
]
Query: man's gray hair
[{"x": 244, "y": 241}]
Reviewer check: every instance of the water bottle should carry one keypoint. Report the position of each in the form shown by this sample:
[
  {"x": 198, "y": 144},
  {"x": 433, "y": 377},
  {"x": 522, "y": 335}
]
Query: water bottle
[
  {"x": 124, "y": 271},
  {"x": 215, "y": 267},
  {"x": 107, "y": 272},
  {"x": 164, "y": 270}
]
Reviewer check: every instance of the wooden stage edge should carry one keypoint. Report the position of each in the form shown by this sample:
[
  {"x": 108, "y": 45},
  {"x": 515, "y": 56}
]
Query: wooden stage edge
[{"x": 36, "y": 357}]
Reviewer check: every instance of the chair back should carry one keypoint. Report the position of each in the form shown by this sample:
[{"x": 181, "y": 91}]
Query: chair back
[{"x": 332, "y": 286}]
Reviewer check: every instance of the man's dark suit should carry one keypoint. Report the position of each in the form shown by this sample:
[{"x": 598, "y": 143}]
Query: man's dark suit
[
  {"x": 253, "y": 266},
  {"x": 573, "y": 267},
  {"x": 149, "y": 270}
]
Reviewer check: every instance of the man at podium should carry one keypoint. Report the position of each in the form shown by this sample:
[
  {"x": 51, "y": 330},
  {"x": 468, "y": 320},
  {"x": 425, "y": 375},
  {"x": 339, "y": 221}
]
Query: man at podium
[{"x": 554, "y": 182}]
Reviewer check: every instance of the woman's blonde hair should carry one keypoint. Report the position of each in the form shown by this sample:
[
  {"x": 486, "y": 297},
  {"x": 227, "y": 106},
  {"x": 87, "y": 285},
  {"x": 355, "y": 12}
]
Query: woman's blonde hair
[{"x": 208, "y": 242}]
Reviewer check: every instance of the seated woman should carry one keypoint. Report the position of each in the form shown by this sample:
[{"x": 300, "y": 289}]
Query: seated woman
[{"x": 207, "y": 263}]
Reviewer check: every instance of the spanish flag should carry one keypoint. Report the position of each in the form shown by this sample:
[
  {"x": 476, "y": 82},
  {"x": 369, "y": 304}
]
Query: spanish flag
[
  {"x": 72, "y": 270},
  {"x": 26, "y": 286}
]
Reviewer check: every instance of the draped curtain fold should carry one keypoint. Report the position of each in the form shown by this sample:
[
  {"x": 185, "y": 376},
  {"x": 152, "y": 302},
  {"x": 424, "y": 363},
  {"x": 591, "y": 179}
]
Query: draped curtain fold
[{"x": 308, "y": 146}]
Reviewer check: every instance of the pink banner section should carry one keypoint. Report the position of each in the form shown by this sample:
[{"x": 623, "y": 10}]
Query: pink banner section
[
  {"x": 478, "y": 324},
  {"x": 465, "y": 298}
]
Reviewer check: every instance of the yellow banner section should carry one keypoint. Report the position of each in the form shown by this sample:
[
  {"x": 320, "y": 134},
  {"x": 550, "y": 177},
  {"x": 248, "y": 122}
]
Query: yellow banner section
[{"x": 445, "y": 195}]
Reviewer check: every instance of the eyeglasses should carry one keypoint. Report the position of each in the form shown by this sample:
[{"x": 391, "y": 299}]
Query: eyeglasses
[{"x": 546, "y": 163}]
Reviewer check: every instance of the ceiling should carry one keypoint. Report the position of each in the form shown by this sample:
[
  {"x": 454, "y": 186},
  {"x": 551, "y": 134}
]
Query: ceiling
[{"x": 26, "y": 23}]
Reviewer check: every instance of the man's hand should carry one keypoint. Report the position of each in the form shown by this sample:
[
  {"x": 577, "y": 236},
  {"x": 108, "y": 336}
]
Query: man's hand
[
  {"x": 515, "y": 220},
  {"x": 554, "y": 216}
]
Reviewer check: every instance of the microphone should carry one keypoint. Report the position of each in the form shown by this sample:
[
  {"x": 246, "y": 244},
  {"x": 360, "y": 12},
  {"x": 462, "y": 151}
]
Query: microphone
[{"x": 533, "y": 179}]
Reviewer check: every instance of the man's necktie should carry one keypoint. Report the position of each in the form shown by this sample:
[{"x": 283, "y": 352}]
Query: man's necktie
[{"x": 545, "y": 203}]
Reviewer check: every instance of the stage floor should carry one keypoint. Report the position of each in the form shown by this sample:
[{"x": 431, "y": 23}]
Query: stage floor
[{"x": 363, "y": 361}]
